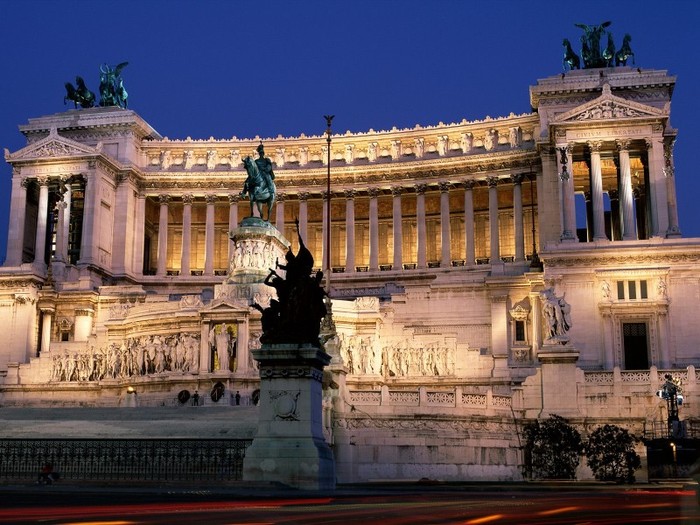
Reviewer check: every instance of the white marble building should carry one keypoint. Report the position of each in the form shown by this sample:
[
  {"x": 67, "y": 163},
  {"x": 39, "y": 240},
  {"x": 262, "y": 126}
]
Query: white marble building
[{"x": 120, "y": 271}]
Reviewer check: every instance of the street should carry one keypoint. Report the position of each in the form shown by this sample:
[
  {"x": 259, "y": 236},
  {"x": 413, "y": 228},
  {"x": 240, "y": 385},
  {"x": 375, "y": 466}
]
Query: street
[{"x": 412, "y": 504}]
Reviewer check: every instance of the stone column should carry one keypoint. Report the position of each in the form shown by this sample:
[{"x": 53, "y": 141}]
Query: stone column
[
  {"x": 640, "y": 206},
  {"x": 304, "y": 216},
  {"x": 493, "y": 219},
  {"x": 597, "y": 192},
  {"x": 373, "y": 230},
  {"x": 445, "y": 255},
  {"x": 397, "y": 218},
  {"x": 669, "y": 171},
  {"x": 187, "y": 200},
  {"x": 420, "y": 226},
  {"x": 279, "y": 211},
  {"x": 18, "y": 207},
  {"x": 518, "y": 217},
  {"x": 349, "y": 231},
  {"x": 535, "y": 328},
  {"x": 626, "y": 197},
  {"x": 209, "y": 235},
  {"x": 325, "y": 228},
  {"x": 232, "y": 222},
  {"x": 46, "y": 314},
  {"x": 61, "y": 253},
  {"x": 163, "y": 234},
  {"x": 566, "y": 175},
  {"x": 90, "y": 218},
  {"x": 469, "y": 222},
  {"x": 139, "y": 234},
  {"x": 42, "y": 215},
  {"x": 657, "y": 187},
  {"x": 204, "y": 353}
]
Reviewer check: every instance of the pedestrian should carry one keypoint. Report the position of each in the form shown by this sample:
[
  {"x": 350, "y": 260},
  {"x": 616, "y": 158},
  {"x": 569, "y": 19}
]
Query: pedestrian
[
  {"x": 238, "y": 397},
  {"x": 195, "y": 399}
]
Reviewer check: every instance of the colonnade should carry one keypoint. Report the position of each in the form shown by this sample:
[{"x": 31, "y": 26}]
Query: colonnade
[
  {"x": 351, "y": 261},
  {"x": 645, "y": 210}
]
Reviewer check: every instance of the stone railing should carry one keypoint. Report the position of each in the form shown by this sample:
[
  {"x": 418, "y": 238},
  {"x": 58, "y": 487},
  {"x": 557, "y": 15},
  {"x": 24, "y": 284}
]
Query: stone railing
[
  {"x": 457, "y": 397},
  {"x": 652, "y": 377}
]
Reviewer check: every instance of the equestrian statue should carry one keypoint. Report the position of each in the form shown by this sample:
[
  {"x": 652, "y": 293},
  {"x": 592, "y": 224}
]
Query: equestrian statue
[
  {"x": 592, "y": 54},
  {"x": 260, "y": 184}
]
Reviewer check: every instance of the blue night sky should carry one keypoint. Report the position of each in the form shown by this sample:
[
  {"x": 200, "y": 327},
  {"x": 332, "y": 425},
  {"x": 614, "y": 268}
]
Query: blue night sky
[{"x": 267, "y": 68}]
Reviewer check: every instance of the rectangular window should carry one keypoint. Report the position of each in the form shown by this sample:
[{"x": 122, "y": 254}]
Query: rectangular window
[
  {"x": 520, "y": 331},
  {"x": 643, "y": 290},
  {"x": 632, "y": 285},
  {"x": 620, "y": 290}
]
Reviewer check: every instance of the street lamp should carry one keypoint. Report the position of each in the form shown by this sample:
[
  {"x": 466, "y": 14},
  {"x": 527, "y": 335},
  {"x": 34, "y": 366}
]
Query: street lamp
[
  {"x": 329, "y": 119},
  {"x": 535, "y": 263}
]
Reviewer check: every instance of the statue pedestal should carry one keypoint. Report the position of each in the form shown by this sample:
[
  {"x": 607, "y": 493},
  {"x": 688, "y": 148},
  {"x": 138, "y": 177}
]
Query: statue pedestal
[
  {"x": 289, "y": 446},
  {"x": 559, "y": 392}
]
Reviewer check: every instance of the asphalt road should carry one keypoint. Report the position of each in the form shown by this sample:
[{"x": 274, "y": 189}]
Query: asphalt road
[{"x": 411, "y": 504}]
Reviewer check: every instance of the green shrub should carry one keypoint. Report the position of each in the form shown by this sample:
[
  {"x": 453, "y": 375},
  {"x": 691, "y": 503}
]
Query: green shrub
[
  {"x": 610, "y": 454},
  {"x": 552, "y": 449}
]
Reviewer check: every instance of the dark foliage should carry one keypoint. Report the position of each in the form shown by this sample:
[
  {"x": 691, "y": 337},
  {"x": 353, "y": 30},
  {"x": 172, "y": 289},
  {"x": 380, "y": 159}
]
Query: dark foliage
[
  {"x": 552, "y": 449},
  {"x": 610, "y": 454}
]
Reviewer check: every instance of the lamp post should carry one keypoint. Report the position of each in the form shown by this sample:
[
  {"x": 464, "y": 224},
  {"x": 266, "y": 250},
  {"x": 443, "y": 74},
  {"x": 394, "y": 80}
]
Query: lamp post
[{"x": 329, "y": 119}]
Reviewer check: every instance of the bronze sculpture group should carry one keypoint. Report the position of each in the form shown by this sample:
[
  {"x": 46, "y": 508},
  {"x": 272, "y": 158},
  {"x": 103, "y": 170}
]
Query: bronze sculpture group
[
  {"x": 260, "y": 183},
  {"x": 295, "y": 316},
  {"x": 112, "y": 91},
  {"x": 593, "y": 55}
]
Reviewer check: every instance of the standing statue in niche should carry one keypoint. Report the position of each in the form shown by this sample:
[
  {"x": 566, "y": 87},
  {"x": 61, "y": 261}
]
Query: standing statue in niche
[
  {"x": 260, "y": 184},
  {"x": 295, "y": 316},
  {"x": 220, "y": 338},
  {"x": 556, "y": 313}
]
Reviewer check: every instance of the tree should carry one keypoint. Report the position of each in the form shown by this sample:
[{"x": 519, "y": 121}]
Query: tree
[
  {"x": 610, "y": 454},
  {"x": 552, "y": 449}
]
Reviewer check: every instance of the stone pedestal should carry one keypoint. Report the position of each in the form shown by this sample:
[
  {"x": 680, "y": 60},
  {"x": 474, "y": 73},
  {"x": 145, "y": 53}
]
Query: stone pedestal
[
  {"x": 559, "y": 391},
  {"x": 289, "y": 446}
]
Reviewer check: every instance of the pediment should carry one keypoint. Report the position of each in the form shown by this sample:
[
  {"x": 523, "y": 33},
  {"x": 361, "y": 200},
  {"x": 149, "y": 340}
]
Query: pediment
[
  {"x": 228, "y": 306},
  {"x": 609, "y": 107},
  {"x": 52, "y": 146}
]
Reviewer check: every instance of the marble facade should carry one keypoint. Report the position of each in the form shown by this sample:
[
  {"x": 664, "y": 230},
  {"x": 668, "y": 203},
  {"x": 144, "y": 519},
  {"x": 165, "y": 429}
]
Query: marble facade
[{"x": 127, "y": 266}]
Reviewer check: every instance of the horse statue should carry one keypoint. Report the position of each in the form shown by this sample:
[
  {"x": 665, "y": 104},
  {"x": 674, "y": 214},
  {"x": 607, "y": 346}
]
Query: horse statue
[
  {"x": 260, "y": 188},
  {"x": 625, "y": 52},
  {"x": 570, "y": 58},
  {"x": 609, "y": 52},
  {"x": 79, "y": 94}
]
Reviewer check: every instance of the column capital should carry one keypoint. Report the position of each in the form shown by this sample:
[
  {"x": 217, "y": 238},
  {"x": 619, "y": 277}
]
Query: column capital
[
  {"x": 303, "y": 195},
  {"x": 469, "y": 184},
  {"x": 188, "y": 199},
  {"x": 233, "y": 198},
  {"x": 325, "y": 195},
  {"x": 24, "y": 183},
  {"x": 421, "y": 189},
  {"x": 373, "y": 192},
  {"x": 280, "y": 197},
  {"x": 648, "y": 142},
  {"x": 595, "y": 145},
  {"x": 211, "y": 198},
  {"x": 444, "y": 186},
  {"x": 622, "y": 144},
  {"x": 42, "y": 180},
  {"x": 492, "y": 182},
  {"x": 349, "y": 194},
  {"x": 517, "y": 178},
  {"x": 396, "y": 191},
  {"x": 164, "y": 199}
]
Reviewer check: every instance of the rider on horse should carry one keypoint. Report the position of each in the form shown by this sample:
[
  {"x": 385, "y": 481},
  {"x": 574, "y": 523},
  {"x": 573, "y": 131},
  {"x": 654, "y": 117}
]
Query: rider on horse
[{"x": 260, "y": 184}]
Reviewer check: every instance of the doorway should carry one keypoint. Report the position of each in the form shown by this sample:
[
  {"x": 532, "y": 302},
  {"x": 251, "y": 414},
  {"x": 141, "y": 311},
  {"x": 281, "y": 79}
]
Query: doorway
[{"x": 634, "y": 341}]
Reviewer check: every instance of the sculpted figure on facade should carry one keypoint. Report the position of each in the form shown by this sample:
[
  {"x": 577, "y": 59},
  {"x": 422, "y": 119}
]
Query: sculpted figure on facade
[
  {"x": 467, "y": 142},
  {"x": 442, "y": 143},
  {"x": 212, "y": 159},
  {"x": 188, "y": 159},
  {"x": 515, "y": 136},
  {"x": 372, "y": 151},
  {"x": 556, "y": 313},
  {"x": 491, "y": 139},
  {"x": 165, "y": 159}
]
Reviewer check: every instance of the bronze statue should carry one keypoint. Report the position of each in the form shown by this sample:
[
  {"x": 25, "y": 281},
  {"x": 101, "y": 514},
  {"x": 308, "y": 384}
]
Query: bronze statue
[
  {"x": 295, "y": 316},
  {"x": 112, "y": 92},
  {"x": 80, "y": 94},
  {"x": 590, "y": 44},
  {"x": 609, "y": 52},
  {"x": 260, "y": 184},
  {"x": 571, "y": 59},
  {"x": 625, "y": 52}
]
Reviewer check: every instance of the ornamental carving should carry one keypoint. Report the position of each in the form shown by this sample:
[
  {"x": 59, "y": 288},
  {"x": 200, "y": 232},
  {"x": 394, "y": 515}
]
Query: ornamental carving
[
  {"x": 54, "y": 149},
  {"x": 285, "y": 404},
  {"x": 608, "y": 109}
]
